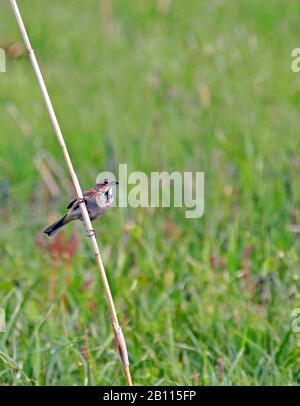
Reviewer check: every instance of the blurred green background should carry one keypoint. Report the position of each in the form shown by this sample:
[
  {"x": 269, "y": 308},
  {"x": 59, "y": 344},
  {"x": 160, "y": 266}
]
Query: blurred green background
[{"x": 161, "y": 85}]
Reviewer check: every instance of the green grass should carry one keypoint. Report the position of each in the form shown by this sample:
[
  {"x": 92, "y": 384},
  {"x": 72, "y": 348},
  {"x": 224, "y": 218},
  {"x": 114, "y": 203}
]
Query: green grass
[{"x": 126, "y": 89}]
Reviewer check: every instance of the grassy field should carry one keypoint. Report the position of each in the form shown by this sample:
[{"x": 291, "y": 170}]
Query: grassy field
[{"x": 160, "y": 85}]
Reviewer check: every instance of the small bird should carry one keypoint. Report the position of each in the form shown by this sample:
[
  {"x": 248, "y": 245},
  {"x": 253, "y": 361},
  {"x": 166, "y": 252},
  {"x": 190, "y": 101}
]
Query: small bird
[{"x": 97, "y": 200}]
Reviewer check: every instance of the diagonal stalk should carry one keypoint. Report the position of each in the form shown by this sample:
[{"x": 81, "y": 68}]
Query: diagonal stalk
[{"x": 119, "y": 337}]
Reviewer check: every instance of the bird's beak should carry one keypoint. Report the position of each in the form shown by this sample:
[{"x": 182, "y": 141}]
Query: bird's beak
[{"x": 113, "y": 183}]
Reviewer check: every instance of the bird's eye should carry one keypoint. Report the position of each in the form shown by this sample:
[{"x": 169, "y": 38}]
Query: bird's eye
[{"x": 105, "y": 181}]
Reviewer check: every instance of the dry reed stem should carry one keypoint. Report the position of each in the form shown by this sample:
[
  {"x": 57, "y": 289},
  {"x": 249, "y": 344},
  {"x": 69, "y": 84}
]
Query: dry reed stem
[{"x": 119, "y": 337}]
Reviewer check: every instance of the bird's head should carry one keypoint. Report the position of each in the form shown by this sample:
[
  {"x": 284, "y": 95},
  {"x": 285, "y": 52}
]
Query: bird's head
[{"x": 106, "y": 185}]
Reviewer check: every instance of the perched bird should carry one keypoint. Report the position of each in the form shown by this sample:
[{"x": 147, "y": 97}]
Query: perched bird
[{"x": 97, "y": 200}]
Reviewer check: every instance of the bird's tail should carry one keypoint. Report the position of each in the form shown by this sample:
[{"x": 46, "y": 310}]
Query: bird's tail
[{"x": 55, "y": 227}]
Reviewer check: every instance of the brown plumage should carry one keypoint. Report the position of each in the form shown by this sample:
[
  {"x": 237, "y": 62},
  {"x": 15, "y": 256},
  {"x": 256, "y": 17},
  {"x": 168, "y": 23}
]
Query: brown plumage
[{"x": 97, "y": 200}]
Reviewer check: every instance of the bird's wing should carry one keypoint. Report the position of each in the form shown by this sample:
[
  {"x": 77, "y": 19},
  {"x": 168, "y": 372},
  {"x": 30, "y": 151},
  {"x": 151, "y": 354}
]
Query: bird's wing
[
  {"x": 88, "y": 194},
  {"x": 71, "y": 203}
]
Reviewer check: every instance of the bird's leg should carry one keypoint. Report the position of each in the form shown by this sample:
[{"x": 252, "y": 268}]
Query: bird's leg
[{"x": 90, "y": 233}]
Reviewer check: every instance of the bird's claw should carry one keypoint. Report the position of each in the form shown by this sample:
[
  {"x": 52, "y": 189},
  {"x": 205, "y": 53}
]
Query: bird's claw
[{"x": 91, "y": 233}]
